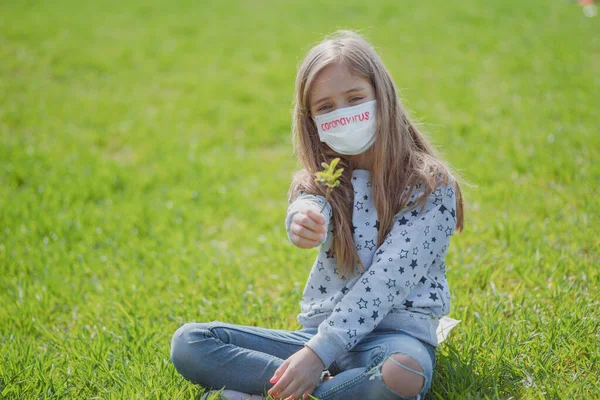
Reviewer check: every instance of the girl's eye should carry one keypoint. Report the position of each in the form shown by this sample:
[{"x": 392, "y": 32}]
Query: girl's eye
[
  {"x": 356, "y": 98},
  {"x": 323, "y": 107}
]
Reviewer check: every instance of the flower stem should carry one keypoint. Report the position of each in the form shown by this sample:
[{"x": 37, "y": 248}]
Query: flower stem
[{"x": 327, "y": 196}]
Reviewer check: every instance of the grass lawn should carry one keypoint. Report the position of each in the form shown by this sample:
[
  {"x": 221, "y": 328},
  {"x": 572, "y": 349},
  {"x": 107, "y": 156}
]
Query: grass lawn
[{"x": 145, "y": 157}]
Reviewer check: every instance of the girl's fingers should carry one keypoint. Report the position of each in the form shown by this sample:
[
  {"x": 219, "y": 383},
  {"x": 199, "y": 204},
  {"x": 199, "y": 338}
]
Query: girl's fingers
[
  {"x": 301, "y": 231},
  {"x": 303, "y": 243},
  {"x": 291, "y": 392},
  {"x": 307, "y": 222},
  {"x": 298, "y": 393},
  {"x": 316, "y": 216},
  {"x": 280, "y": 386},
  {"x": 278, "y": 372}
]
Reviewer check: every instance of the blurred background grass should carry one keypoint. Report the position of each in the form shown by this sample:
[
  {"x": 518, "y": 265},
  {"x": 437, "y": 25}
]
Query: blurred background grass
[{"x": 145, "y": 156}]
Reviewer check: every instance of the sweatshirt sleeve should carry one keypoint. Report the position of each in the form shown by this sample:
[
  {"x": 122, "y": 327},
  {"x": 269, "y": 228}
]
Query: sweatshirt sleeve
[
  {"x": 416, "y": 239},
  {"x": 316, "y": 201}
]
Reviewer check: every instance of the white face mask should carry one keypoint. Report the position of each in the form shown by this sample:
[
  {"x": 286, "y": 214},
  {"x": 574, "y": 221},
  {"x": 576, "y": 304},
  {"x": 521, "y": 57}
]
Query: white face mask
[{"x": 348, "y": 130}]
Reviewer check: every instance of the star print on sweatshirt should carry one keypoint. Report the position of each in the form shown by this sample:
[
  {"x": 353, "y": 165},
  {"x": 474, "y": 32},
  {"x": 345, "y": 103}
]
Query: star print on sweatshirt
[{"x": 404, "y": 285}]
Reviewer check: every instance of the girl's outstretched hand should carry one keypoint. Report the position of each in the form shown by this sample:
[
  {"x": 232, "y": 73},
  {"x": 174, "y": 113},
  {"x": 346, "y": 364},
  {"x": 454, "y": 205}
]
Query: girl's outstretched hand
[
  {"x": 298, "y": 376},
  {"x": 308, "y": 227}
]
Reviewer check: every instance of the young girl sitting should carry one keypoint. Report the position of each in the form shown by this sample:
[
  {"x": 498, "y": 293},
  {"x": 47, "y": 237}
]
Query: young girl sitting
[{"x": 377, "y": 289}]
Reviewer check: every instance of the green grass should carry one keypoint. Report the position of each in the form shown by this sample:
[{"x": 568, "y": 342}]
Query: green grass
[{"x": 145, "y": 155}]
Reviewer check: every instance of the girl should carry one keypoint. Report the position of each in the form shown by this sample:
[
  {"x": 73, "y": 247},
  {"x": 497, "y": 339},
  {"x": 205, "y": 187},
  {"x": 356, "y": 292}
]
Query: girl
[{"x": 378, "y": 288}]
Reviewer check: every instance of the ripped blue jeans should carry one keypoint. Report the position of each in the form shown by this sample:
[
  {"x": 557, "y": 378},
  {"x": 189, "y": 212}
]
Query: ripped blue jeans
[{"x": 243, "y": 358}]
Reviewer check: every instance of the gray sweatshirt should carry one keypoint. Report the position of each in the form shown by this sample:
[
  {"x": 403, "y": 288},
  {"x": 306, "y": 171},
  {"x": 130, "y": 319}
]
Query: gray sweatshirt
[{"x": 404, "y": 285}]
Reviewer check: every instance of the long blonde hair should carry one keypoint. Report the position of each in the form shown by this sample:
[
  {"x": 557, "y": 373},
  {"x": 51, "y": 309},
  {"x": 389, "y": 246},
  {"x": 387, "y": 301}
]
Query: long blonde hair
[{"x": 402, "y": 156}]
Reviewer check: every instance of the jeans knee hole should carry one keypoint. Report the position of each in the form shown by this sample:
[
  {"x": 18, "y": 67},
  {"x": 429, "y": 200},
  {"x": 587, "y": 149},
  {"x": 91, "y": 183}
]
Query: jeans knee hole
[{"x": 403, "y": 375}]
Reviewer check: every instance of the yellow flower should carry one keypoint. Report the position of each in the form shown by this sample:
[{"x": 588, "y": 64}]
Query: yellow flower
[{"x": 329, "y": 176}]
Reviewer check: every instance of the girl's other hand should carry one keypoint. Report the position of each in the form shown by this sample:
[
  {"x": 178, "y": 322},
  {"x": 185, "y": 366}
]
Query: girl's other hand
[
  {"x": 298, "y": 376},
  {"x": 308, "y": 227}
]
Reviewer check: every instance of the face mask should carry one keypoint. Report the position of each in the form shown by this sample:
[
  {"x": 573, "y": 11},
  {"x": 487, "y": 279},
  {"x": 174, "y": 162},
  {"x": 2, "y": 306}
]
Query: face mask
[{"x": 349, "y": 130}]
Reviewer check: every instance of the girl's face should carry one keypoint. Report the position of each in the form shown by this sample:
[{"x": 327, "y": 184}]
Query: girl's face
[{"x": 336, "y": 87}]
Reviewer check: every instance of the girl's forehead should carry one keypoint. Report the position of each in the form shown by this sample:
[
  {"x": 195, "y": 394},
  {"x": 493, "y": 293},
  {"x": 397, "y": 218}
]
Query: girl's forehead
[{"x": 335, "y": 79}]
